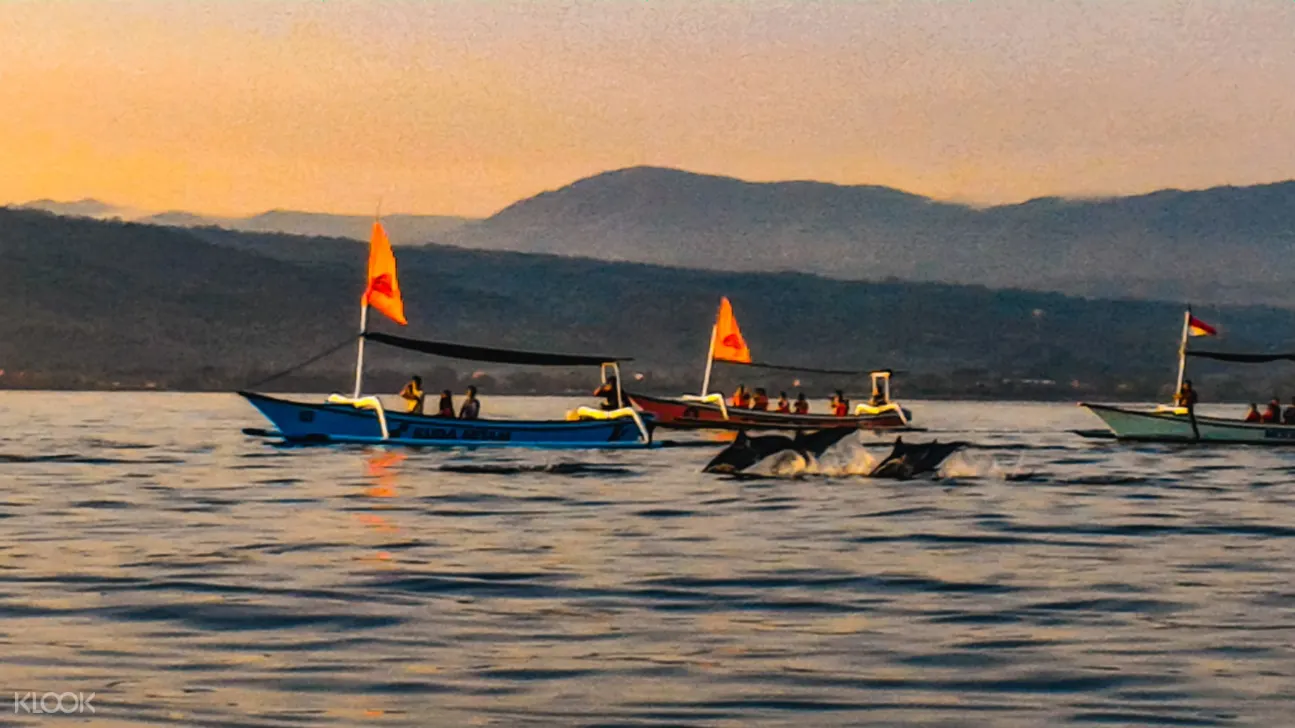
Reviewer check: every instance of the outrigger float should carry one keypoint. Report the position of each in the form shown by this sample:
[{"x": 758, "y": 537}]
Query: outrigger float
[
  {"x": 365, "y": 420},
  {"x": 1178, "y": 424},
  {"x": 709, "y": 410}
]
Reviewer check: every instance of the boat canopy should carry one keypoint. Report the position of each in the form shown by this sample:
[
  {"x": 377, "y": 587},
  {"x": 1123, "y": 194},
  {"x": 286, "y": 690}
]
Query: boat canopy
[
  {"x": 807, "y": 370},
  {"x": 487, "y": 354},
  {"x": 1241, "y": 358}
]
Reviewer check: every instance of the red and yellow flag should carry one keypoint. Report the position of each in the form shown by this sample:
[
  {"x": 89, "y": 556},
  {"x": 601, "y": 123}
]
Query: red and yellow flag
[
  {"x": 1196, "y": 327},
  {"x": 383, "y": 291},
  {"x": 729, "y": 344}
]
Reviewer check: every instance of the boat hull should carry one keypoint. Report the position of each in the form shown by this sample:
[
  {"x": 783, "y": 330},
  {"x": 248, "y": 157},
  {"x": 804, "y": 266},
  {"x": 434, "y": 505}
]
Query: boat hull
[
  {"x": 670, "y": 412},
  {"x": 321, "y": 423},
  {"x": 1152, "y": 426}
]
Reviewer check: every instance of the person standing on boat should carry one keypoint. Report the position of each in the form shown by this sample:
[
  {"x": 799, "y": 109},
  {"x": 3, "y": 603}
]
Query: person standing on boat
[
  {"x": 802, "y": 405},
  {"x": 784, "y": 407},
  {"x": 610, "y": 392},
  {"x": 446, "y": 407},
  {"x": 414, "y": 396},
  {"x": 1252, "y": 414},
  {"x": 1186, "y": 396},
  {"x": 471, "y": 409},
  {"x": 741, "y": 399},
  {"x": 761, "y": 401}
]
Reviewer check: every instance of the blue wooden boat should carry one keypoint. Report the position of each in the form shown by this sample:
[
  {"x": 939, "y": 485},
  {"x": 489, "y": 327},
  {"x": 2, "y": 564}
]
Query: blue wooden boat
[{"x": 365, "y": 420}]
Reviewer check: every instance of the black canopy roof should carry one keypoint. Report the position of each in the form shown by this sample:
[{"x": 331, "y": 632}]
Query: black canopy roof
[
  {"x": 1241, "y": 358},
  {"x": 804, "y": 370},
  {"x": 497, "y": 356}
]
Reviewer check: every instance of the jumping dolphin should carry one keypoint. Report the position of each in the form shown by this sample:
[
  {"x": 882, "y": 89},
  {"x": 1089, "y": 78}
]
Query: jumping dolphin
[
  {"x": 747, "y": 451},
  {"x": 906, "y": 461},
  {"x": 903, "y": 463}
]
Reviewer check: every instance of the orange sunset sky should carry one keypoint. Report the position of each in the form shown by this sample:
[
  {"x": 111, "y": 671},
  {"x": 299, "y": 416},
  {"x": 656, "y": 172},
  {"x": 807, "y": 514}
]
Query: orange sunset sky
[{"x": 237, "y": 106}]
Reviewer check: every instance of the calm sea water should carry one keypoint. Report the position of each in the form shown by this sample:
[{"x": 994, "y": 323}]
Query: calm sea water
[{"x": 187, "y": 575}]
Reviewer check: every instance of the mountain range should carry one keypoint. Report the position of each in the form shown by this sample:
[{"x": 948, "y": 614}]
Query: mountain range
[
  {"x": 92, "y": 303},
  {"x": 1220, "y": 245}
]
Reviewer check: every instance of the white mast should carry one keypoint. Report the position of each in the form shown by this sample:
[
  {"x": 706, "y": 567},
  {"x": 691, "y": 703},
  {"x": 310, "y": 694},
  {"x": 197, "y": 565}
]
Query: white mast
[
  {"x": 1182, "y": 350},
  {"x": 710, "y": 360},
  {"x": 359, "y": 350}
]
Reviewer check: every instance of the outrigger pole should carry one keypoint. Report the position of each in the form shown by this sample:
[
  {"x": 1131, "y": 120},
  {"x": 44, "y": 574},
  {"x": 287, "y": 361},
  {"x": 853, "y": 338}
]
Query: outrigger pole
[
  {"x": 710, "y": 360},
  {"x": 1182, "y": 350}
]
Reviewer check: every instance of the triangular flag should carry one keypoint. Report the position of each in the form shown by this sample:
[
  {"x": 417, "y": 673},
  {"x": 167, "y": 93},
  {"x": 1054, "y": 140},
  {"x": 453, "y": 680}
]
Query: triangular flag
[
  {"x": 729, "y": 344},
  {"x": 1196, "y": 327},
  {"x": 383, "y": 291}
]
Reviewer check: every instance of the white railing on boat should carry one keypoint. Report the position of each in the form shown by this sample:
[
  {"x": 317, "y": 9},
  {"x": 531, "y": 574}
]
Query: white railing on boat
[
  {"x": 369, "y": 402},
  {"x": 708, "y": 399}
]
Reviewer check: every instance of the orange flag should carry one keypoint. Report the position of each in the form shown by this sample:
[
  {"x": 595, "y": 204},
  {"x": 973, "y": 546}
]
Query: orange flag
[
  {"x": 729, "y": 344},
  {"x": 383, "y": 291}
]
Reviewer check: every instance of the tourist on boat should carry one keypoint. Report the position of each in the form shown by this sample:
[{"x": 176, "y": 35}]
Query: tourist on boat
[
  {"x": 1288, "y": 414},
  {"x": 446, "y": 407},
  {"x": 471, "y": 409},
  {"x": 1186, "y": 396},
  {"x": 610, "y": 392},
  {"x": 741, "y": 398},
  {"x": 784, "y": 407},
  {"x": 413, "y": 395},
  {"x": 840, "y": 405},
  {"x": 761, "y": 400},
  {"x": 802, "y": 405},
  {"x": 1252, "y": 414},
  {"x": 1272, "y": 413}
]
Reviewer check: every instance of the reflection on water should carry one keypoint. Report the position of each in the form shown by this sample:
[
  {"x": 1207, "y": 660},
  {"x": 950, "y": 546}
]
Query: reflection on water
[{"x": 152, "y": 554}]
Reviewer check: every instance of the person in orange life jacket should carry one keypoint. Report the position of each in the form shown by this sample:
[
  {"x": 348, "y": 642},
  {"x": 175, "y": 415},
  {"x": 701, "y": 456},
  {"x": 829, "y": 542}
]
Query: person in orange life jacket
[
  {"x": 446, "y": 407},
  {"x": 740, "y": 397},
  {"x": 840, "y": 405},
  {"x": 1272, "y": 413},
  {"x": 802, "y": 405},
  {"x": 783, "y": 405},
  {"x": 471, "y": 409},
  {"x": 1252, "y": 414},
  {"x": 761, "y": 401},
  {"x": 610, "y": 393}
]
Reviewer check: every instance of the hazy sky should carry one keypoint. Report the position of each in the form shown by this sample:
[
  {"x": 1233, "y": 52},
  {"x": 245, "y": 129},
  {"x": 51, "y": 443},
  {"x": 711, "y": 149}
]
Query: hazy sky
[{"x": 235, "y": 106}]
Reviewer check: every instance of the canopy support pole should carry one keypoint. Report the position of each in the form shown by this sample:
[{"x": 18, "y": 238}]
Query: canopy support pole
[
  {"x": 359, "y": 350},
  {"x": 1182, "y": 351},
  {"x": 710, "y": 360}
]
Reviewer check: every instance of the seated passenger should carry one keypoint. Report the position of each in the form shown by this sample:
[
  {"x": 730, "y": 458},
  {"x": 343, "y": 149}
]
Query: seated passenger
[
  {"x": 1288, "y": 415},
  {"x": 761, "y": 400},
  {"x": 446, "y": 407},
  {"x": 1252, "y": 414},
  {"x": 877, "y": 399},
  {"x": 1273, "y": 413},
  {"x": 840, "y": 405},
  {"x": 471, "y": 409},
  {"x": 413, "y": 395},
  {"x": 802, "y": 405},
  {"x": 610, "y": 392},
  {"x": 783, "y": 405},
  {"x": 741, "y": 398}
]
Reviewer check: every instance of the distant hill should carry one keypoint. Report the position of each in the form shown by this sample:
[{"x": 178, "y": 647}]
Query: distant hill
[
  {"x": 1229, "y": 244},
  {"x": 89, "y": 303}
]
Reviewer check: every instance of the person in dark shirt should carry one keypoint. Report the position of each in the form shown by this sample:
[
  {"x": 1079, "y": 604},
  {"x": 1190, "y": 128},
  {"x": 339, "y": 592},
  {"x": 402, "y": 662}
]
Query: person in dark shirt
[
  {"x": 471, "y": 409},
  {"x": 446, "y": 407},
  {"x": 1288, "y": 415},
  {"x": 802, "y": 405},
  {"x": 1186, "y": 396},
  {"x": 610, "y": 392},
  {"x": 761, "y": 401}
]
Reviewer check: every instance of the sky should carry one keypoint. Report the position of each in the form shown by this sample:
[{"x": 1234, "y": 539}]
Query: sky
[{"x": 462, "y": 107}]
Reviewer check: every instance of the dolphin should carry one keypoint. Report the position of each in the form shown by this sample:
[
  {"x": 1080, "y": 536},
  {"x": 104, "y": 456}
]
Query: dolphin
[
  {"x": 747, "y": 451},
  {"x": 908, "y": 461}
]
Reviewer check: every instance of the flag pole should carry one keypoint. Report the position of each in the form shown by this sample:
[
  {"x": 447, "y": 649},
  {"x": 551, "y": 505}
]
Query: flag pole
[
  {"x": 710, "y": 360},
  {"x": 359, "y": 350},
  {"x": 1182, "y": 350}
]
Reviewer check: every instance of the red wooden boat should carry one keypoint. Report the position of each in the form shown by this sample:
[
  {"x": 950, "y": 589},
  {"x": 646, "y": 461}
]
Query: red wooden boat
[{"x": 710, "y": 411}]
